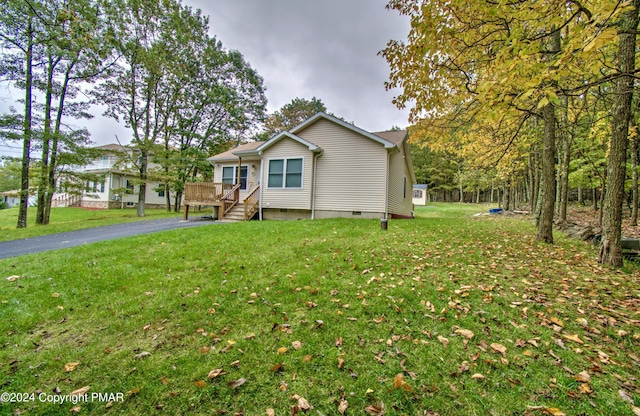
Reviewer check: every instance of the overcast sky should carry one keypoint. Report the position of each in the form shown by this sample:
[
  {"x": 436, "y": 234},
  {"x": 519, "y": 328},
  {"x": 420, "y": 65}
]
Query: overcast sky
[{"x": 302, "y": 48}]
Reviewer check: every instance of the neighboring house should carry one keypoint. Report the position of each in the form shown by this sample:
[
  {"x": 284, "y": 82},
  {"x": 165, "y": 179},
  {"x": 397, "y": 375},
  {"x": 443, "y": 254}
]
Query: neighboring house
[
  {"x": 116, "y": 187},
  {"x": 11, "y": 198},
  {"x": 420, "y": 194},
  {"x": 322, "y": 168}
]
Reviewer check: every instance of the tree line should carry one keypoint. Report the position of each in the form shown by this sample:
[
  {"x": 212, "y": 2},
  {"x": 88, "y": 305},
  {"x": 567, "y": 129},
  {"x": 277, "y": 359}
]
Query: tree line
[
  {"x": 536, "y": 93},
  {"x": 151, "y": 64}
]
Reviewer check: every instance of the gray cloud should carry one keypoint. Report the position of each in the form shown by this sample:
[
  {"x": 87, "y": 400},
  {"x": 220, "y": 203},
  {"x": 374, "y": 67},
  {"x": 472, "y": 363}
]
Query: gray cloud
[{"x": 326, "y": 49}]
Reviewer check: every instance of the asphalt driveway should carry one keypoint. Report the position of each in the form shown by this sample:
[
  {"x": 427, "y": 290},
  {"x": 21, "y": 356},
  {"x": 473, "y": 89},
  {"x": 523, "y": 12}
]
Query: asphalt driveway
[{"x": 91, "y": 235}]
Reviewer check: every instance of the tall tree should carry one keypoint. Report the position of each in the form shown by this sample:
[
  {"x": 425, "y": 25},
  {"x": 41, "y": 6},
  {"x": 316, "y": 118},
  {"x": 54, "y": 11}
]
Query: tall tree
[
  {"x": 292, "y": 114},
  {"x": 611, "y": 246},
  {"x": 76, "y": 51},
  {"x": 18, "y": 37},
  {"x": 145, "y": 32}
]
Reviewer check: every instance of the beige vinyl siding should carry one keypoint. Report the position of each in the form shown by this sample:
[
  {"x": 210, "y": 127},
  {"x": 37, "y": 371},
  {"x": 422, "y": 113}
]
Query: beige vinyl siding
[
  {"x": 290, "y": 198},
  {"x": 350, "y": 174},
  {"x": 253, "y": 174},
  {"x": 400, "y": 191}
]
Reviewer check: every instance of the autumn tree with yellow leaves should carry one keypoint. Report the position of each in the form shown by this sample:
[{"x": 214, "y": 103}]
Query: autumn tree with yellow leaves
[{"x": 479, "y": 72}]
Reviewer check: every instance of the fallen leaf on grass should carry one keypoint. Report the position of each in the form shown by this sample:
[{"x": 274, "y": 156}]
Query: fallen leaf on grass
[
  {"x": 133, "y": 391},
  {"x": 307, "y": 358},
  {"x": 375, "y": 410},
  {"x": 340, "y": 362},
  {"x": 585, "y": 388},
  {"x": 443, "y": 340},
  {"x": 80, "y": 391},
  {"x": 635, "y": 410},
  {"x": 164, "y": 380},
  {"x": 237, "y": 383},
  {"x": 557, "y": 321},
  {"x": 342, "y": 407},
  {"x": 200, "y": 383},
  {"x": 478, "y": 376},
  {"x": 583, "y": 377},
  {"x": 205, "y": 349},
  {"x": 399, "y": 383},
  {"x": 215, "y": 373},
  {"x": 75, "y": 409},
  {"x": 499, "y": 348},
  {"x": 55, "y": 295},
  {"x": 303, "y": 404},
  {"x": 465, "y": 333},
  {"x": 554, "y": 411},
  {"x": 271, "y": 412},
  {"x": 13, "y": 278},
  {"x": 624, "y": 396},
  {"x": 69, "y": 367},
  {"x": 574, "y": 338},
  {"x": 143, "y": 354},
  {"x": 277, "y": 367},
  {"x": 282, "y": 350},
  {"x": 296, "y": 345}
]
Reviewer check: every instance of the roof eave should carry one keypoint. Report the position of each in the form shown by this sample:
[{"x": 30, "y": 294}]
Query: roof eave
[{"x": 312, "y": 147}]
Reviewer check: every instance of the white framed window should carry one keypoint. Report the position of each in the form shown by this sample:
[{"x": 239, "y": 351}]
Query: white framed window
[
  {"x": 417, "y": 194},
  {"x": 230, "y": 175},
  {"x": 285, "y": 173}
]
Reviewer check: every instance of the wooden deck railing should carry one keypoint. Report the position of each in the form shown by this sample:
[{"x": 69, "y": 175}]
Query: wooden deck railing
[
  {"x": 251, "y": 203},
  {"x": 231, "y": 198},
  {"x": 205, "y": 193}
]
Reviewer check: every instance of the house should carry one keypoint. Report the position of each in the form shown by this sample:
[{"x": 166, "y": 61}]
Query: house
[
  {"x": 11, "y": 198},
  {"x": 420, "y": 194},
  {"x": 114, "y": 184},
  {"x": 322, "y": 168}
]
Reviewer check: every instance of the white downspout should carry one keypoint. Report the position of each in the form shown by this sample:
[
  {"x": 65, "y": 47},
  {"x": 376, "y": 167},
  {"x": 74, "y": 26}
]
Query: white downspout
[
  {"x": 386, "y": 187},
  {"x": 313, "y": 186},
  {"x": 260, "y": 183}
]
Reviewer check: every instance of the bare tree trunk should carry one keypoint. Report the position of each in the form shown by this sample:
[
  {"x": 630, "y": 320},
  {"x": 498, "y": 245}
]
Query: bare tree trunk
[
  {"x": 176, "y": 201},
  {"x": 26, "y": 146},
  {"x": 580, "y": 196},
  {"x": 634, "y": 167},
  {"x": 506, "y": 197},
  {"x": 53, "y": 164},
  {"x": 535, "y": 180},
  {"x": 564, "y": 178},
  {"x": 460, "y": 184},
  {"x": 548, "y": 186},
  {"x": 611, "y": 246},
  {"x": 143, "y": 182}
]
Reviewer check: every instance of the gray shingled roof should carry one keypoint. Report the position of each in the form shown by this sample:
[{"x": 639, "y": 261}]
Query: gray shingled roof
[{"x": 396, "y": 136}]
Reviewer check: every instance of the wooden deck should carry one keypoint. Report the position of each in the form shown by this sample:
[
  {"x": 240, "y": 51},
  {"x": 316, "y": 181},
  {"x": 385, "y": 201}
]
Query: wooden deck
[{"x": 225, "y": 196}]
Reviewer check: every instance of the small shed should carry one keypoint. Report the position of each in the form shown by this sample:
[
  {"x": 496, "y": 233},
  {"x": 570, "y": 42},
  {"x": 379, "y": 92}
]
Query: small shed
[{"x": 420, "y": 194}]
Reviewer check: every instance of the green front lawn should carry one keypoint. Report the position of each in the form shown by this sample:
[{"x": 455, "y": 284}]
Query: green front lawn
[
  {"x": 446, "y": 313},
  {"x": 70, "y": 219}
]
